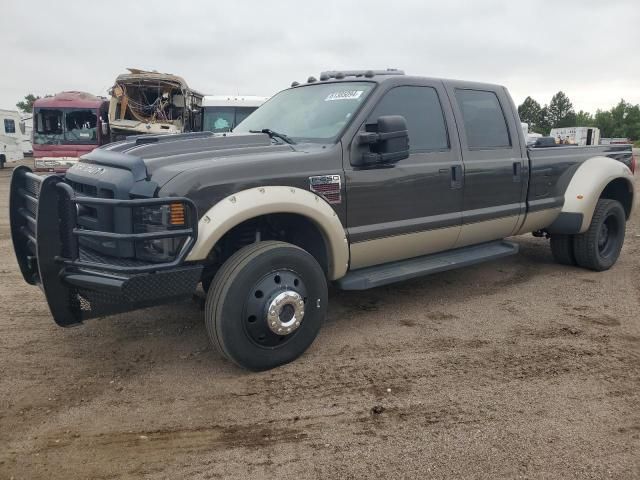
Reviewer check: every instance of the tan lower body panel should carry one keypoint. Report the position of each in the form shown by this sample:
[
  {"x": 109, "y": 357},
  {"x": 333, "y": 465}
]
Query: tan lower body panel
[
  {"x": 480, "y": 232},
  {"x": 538, "y": 220},
  {"x": 400, "y": 247}
]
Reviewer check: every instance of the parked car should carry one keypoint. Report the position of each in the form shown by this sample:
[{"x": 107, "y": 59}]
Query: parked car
[{"x": 360, "y": 178}]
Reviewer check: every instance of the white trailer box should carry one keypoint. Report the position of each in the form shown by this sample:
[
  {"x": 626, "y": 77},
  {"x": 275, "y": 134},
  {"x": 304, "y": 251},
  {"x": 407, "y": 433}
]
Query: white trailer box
[
  {"x": 12, "y": 136},
  {"x": 576, "y": 135}
]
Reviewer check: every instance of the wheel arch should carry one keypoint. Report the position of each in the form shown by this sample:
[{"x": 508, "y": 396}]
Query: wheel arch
[
  {"x": 252, "y": 204},
  {"x": 596, "y": 178}
]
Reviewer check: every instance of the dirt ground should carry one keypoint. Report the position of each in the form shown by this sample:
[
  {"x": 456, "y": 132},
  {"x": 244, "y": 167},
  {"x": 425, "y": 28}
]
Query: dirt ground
[{"x": 518, "y": 368}]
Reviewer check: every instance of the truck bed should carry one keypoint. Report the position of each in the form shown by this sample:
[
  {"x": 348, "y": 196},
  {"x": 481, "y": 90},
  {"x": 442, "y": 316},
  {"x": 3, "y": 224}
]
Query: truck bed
[{"x": 552, "y": 168}]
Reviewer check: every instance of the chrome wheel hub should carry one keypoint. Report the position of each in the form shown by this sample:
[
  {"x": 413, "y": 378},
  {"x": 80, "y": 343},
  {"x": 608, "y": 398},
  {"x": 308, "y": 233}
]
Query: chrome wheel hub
[{"x": 285, "y": 312}]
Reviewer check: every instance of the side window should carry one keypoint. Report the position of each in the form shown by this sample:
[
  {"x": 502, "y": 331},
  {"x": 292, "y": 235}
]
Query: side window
[
  {"x": 9, "y": 125},
  {"x": 421, "y": 109},
  {"x": 484, "y": 121}
]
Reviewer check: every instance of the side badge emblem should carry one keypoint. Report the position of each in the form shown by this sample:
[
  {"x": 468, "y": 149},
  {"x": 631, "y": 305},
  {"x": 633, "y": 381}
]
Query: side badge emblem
[{"x": 327, "y": 186}]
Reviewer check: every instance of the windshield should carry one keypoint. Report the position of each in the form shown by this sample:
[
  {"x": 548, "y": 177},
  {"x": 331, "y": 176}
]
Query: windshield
[
  {"x": 58, "y": 126},
  {"x": 224, "y": 119},
  {"x": 314, "y": 113}
]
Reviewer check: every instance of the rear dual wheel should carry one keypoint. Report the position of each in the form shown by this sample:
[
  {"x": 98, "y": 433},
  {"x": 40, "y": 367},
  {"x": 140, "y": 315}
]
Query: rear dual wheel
[
  {"x": 599, "y": 247},
  {"x": 266, "y": 304}
]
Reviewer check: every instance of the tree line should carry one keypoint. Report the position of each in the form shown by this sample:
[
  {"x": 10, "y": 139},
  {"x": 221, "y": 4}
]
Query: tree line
[{"x": 621, "y": 121}]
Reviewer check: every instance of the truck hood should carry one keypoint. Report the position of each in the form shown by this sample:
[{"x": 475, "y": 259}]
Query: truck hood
[{"x": 160, "y": 158}]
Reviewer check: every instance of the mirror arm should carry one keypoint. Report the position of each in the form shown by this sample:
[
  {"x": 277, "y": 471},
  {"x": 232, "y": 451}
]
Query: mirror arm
[
  {"x": 370, "y": 158},
  {"x": 368, "y": 138}
]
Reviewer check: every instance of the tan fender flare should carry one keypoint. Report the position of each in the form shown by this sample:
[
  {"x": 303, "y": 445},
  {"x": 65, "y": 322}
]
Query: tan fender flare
[
  {"x": 254, "y": 202},
  {"x": 588, "y": 183}
]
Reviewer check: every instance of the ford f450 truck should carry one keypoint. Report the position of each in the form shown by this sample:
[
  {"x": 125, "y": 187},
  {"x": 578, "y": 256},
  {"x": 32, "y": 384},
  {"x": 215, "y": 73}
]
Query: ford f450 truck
[{"x": 360, "y": 178}]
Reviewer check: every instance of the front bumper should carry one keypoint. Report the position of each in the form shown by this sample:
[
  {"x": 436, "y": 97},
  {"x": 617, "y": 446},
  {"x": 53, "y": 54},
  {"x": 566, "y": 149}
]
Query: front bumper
[{"x": 79, "y": 283}]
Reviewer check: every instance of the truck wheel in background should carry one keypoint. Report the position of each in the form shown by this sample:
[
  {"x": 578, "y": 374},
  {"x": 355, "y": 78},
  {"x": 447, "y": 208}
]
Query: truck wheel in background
[
  {"x": 599, "y": 247},
  {"x": 266, "y": 304},
  {"x": 562, "y": 249}
]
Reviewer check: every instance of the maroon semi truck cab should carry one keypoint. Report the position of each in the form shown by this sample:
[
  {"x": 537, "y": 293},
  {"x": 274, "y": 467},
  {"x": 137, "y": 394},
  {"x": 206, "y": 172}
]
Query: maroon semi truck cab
[{"x": 66, "y": 126}]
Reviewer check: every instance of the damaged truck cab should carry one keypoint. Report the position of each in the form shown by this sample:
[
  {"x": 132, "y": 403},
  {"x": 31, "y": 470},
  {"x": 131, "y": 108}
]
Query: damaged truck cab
[{"x": 360, "y": 178}]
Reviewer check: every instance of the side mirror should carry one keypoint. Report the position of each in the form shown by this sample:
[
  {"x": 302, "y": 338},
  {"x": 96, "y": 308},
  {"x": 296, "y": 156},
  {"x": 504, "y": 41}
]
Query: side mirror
[
  {"x": 104, "y": 128},
  {"x": 23, "y": 127},
  {"x": 388, "y": 141}
]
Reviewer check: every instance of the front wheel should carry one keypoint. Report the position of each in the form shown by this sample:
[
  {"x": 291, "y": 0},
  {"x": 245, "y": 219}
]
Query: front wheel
[
  {"x": 599, "y": 247},
  {"x": 266, "y": 304}
]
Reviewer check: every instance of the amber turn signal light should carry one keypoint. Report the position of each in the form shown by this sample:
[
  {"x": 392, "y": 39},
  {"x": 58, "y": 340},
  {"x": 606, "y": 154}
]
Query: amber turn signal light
[{"x": 176, "y": 214}]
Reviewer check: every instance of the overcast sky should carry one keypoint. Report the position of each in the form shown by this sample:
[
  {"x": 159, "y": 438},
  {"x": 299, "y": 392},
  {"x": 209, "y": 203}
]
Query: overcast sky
[{"x": 590, "y": 49}]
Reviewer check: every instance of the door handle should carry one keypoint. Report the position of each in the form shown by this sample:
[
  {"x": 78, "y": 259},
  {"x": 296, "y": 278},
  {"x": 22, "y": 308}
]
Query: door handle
[
  {"x": 517, "y": 171},
  {"x": 456, "y": 176}
]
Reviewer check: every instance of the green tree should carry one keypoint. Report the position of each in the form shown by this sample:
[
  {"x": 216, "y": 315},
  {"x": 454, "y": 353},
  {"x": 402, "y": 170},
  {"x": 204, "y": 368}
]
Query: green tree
[
  {"x": 622, "y": 120},
  {"x": 26, "y": 105},
  {"x": 544, "y": 124},
  {"x": 604, "y": 122},
  {"x": 633, "y": 122},
  {"x": 529, "y": 112},
  {"x": 561, "y": 113},
  {"x": 584, "y": 119}
]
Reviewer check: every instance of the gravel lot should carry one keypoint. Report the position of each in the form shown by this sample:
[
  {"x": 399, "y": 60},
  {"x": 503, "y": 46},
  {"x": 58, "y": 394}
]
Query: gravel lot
[{"x": 515, "y": 368}]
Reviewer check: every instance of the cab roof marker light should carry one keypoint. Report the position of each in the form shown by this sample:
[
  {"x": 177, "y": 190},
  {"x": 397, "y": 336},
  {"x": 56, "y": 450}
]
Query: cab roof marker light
[{"x": 338, "y": 74}]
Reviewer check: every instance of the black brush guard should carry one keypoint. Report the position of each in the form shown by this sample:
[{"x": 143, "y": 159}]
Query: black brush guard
[{"x": 79, "y": 283}]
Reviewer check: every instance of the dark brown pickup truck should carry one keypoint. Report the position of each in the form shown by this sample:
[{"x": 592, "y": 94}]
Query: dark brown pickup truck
[{"x": 359, "y": 178}]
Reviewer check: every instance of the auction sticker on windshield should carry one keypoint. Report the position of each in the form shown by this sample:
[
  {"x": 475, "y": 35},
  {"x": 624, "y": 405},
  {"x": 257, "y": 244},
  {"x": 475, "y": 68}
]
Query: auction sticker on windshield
[{"x": 346, "y": 95}]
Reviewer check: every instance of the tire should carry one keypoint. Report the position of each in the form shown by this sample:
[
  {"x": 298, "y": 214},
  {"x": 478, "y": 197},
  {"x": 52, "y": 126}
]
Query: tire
[
  {"x": 562, "y": 249},
  {"x": 599, "y": 247},
  {"x": 261, "y": 288}
]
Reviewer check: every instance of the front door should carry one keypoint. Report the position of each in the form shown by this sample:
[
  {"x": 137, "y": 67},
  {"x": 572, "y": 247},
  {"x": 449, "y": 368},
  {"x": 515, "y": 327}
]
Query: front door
[{"x": 411, "y": 207}]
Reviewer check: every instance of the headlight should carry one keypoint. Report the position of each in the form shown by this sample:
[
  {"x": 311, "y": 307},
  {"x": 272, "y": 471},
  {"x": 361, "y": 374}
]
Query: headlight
[{"x": 159, "y": 218}]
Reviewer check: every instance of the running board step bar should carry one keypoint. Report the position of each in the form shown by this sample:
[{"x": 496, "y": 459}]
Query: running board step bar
[{"x": 392, "y": 272}]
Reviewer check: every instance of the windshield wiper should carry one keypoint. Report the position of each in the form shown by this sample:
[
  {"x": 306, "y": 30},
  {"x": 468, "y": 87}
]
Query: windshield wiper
[{"x": 275, "y": 134}]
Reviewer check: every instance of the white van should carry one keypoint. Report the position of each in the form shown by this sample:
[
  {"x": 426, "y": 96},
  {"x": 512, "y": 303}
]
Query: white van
[
  {"x": 221, "y": 113},
  {"x": 12, "y": 134}
]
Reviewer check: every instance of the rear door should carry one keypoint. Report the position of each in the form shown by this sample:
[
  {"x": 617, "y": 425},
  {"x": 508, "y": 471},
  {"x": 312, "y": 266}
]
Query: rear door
[
  {"x": 411, "y": 207},
  {"x": 494, "y": 178}
]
